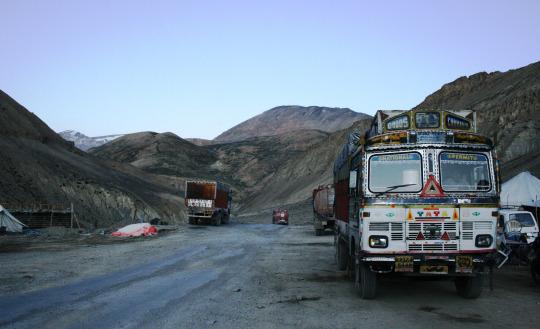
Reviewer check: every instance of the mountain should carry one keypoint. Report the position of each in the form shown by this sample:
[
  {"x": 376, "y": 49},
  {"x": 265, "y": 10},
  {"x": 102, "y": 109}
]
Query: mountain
[
  {"x": 295, "y": 178},
  {"x": 508, "y": 111},
  {"x": 84, "y": 142},
  {"x": 39, "y": 166},
  {"x": 164, "y": 154},
  {"x": 285, "y": 119}
]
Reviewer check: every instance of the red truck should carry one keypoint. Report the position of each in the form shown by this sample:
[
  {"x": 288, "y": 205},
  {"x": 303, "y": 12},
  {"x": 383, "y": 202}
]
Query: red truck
[
  {"x": 208, "y": 202},
  {"x": 323, "y": 208},
  {"x": 280, "y": 216}
]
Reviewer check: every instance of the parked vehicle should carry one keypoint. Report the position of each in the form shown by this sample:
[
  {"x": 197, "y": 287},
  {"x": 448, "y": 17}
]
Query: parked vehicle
[
  {"x": 208, "y": 202},
  {"x": 418, "y": 194},
  {"x": 529, "y": 227},
  {"x": 280, "y": 216},
  {"x": 323, "y": 209}
]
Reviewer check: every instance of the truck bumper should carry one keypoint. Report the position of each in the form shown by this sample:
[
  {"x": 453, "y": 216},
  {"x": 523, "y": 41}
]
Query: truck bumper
[
  {"x": 323, "y": 224},
  {"x": 428, "y": 265}
]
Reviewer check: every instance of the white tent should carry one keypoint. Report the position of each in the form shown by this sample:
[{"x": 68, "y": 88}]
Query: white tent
[
  {"x": 11, "y": 223},
  {"x": 522, "y": 189}
]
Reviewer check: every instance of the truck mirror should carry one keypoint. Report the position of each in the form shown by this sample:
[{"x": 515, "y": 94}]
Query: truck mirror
[{"x": 352, "y": 179}]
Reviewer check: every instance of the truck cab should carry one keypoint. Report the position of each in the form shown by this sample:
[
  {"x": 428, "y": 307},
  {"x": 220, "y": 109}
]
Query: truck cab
[
  {"x": 280, "y": 216},
  {"x": 528, "y": 225}
]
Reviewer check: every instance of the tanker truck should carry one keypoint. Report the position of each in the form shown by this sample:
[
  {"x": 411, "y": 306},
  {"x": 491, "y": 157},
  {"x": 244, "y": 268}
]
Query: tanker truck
[{"x": 323, "y": 209}]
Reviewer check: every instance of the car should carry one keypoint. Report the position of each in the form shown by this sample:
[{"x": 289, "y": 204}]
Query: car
[{"x": 280, "y": 216}]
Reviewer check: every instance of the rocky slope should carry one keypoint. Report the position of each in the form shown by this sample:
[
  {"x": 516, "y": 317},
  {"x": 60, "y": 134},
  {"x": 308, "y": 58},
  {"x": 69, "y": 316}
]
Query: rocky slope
[
  {"x": 164, "y": 154},
  {"x": 508, "y": 107},
  {"x": 84, "y": 142},
  {"x": 294, "y": 180},
  {"x": 285, "y": 119},
  {"x": 37, "y": 165}
]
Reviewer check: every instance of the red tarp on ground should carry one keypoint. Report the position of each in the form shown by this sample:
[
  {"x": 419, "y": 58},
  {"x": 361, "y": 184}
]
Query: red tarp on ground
[{"x": 136, "y": 230}]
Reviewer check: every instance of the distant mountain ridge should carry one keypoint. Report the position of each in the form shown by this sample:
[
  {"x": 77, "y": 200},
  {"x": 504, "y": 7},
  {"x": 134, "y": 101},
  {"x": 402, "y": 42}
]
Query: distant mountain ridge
[
  {"x": 84, "y": 142},
  {"x": 159, "y": 153},
  {"x": 284, "y": 119}
]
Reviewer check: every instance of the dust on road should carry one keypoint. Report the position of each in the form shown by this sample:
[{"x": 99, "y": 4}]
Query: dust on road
[{"x": 237, "y": 276}]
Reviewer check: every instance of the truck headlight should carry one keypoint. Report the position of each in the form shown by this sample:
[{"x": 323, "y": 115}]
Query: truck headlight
[
  {"x": 378, "y": 241},
  {"x": 483, "y": 240}
]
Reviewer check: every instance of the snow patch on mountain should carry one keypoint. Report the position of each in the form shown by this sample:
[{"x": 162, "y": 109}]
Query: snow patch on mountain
[{"x": 84, "y": 142}]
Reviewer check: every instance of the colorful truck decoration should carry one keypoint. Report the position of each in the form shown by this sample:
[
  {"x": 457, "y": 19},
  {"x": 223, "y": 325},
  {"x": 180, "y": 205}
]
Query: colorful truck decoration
[{"x": 418, "y": 194}]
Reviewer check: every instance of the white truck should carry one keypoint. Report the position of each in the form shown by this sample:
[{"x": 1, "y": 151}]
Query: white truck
[{"x": 417, "y": 195}]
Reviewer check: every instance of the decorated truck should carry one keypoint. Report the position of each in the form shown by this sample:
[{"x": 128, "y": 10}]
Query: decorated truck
[
  {"x": 323, "y": 208},
  {"x": 207, "y": 202},
  {"x": 418, "y": 195}
]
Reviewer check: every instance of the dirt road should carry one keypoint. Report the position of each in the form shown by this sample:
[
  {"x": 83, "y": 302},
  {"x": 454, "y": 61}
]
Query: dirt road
[{"x": 236, "y": 276}]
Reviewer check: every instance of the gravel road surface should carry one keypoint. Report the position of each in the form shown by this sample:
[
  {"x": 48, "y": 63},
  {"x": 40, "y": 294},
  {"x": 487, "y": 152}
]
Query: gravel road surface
[{"x": 236, "y": 276}]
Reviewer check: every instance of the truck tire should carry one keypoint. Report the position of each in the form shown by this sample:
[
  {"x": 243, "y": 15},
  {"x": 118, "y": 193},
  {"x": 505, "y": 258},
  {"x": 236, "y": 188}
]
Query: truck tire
[
  {"x": 192, "y": 221},
  {"x": 342, "y": 255},
  {"x": 318, "y": 232},
  {"x": 365, "y": 280},
  {"x": 470, "y": 286},
  {"x": 215, "y": 220}
]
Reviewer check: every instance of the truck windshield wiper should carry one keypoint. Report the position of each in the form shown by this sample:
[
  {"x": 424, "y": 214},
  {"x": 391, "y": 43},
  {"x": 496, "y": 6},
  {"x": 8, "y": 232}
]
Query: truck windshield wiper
[{"x": 391, "y": 188}]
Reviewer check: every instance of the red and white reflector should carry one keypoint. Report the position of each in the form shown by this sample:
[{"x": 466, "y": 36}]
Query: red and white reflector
[
  {"x": 432, "y": 188},
  {"x": 420, "y": 236},
  {"x": 445, "y": 236}
]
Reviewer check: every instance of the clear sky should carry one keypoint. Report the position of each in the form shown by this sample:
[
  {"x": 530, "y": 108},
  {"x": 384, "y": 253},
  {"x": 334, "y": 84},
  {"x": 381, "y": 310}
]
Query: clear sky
[{"x": 196, "y": 68}]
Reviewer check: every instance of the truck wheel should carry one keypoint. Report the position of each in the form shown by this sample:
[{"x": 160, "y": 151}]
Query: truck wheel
[
  {"x": 470, "y": 287},
  {"x": 318, "y": 232},
  {"x": 365, "y": 280},
  {"x": 342, "y": 255},
  {"x": 191, "y": 221},
  {"x": 215, "y": 220}
]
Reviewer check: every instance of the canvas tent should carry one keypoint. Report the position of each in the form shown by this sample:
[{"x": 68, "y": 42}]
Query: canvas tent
[
  {"x": 522, "y": 190},
  {"x": 11, "y": 223}
]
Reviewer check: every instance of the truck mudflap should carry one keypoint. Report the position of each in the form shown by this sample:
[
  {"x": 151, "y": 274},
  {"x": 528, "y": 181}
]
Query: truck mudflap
[{"x": 449, "y": 265}]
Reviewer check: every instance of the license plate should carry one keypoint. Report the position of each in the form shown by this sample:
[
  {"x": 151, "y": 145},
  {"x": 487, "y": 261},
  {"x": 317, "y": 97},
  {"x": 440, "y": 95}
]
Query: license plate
[
  {"x": 403, "y": 264},
  {"x": 464, "y": 264},
  {"x": 433, "y": 269}
]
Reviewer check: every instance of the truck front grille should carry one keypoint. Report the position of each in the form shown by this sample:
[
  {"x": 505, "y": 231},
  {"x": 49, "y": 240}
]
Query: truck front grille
[
  {"x": 450, "y": 228},
  {"x": 433, "y": 247}
]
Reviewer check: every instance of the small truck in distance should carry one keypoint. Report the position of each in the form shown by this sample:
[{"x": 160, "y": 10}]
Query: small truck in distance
[
  {"x": 323, "y": 208},
  {"x": 208, "y": 202},
  {"x": 280, "y": 216}
]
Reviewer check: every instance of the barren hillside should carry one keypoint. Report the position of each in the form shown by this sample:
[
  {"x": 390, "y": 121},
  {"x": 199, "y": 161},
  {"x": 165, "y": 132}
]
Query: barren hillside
[
  {"x": 37, "y": 165},
  {"x": 164, "y": 154},
  {"x": 285, "y": 119}
]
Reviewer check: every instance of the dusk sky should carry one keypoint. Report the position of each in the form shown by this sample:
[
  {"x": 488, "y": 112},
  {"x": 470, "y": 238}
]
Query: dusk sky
[{"x": 197, "y": 68}]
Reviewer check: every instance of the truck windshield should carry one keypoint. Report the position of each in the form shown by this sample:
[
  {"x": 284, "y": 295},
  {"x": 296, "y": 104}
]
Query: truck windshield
[
  {"x": 464, "y": 172},
  {"x": 399, "y": 172},
  {"x": 525, "y": 219}
]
